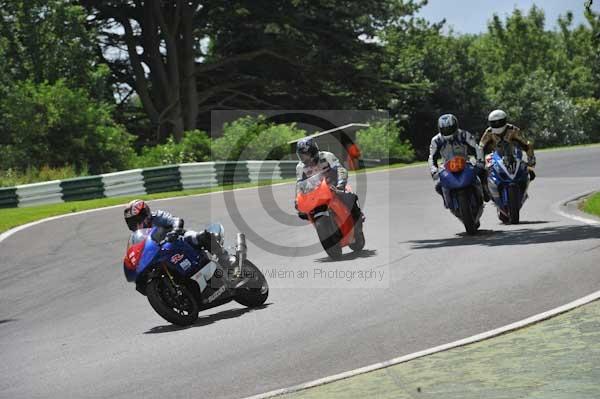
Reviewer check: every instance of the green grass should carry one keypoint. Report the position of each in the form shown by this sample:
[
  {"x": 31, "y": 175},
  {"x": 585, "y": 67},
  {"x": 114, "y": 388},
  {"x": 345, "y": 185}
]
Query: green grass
[
  {"x": 566, "y": 147},
  {"x": 13, "y": 217},
  {"x": 556, "y": 358},
  {"x": 592, "y": 204}
]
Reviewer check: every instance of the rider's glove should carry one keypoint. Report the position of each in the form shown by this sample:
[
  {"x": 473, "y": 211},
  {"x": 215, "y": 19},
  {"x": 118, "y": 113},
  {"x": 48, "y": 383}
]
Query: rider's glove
[
  {"x": 341, "y": 185},
  {"x": 531, "y": 175},
  {"x": 174, "y": 234},
  {"x": 435, "y": 174},
  {"x": 531, "y": 161}
]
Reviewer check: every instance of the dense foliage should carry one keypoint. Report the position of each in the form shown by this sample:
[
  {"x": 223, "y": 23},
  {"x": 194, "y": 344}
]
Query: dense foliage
[
  {"x": 382, "y": 140},
  {"x": 95, "y": 86},
  {"x": 253, "y": 138}
]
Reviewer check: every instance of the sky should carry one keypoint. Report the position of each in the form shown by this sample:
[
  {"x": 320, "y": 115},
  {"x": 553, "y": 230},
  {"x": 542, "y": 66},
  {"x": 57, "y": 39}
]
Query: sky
[{"x": 471, "y": 16}]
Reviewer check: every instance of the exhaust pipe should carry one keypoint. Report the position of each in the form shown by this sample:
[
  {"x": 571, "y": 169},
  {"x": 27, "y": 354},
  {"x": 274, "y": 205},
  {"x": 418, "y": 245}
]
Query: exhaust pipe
[{"x": 241, "y": 250}]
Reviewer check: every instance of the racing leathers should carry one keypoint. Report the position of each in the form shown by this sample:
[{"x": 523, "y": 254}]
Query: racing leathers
[
  {"x": 337, "y": 176},
  {"x": 457, "y": 145},
  {"x": 202, "y": 240},
  {"x": 512, "y": 134}
]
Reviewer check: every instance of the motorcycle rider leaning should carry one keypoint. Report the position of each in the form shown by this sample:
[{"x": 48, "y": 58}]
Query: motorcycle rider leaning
[
  {"x": 500, "y": 130},
  {"x": 313, "y": 161},
  {"x": 138, "y": 215},
  {"x": 452, "y": 141}
]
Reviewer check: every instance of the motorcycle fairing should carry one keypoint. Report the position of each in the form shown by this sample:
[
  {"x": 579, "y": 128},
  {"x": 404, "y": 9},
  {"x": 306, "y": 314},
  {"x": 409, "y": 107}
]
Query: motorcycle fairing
[
  {"x": 501, "y": 177},
  {"x": 454, "y": 181}
]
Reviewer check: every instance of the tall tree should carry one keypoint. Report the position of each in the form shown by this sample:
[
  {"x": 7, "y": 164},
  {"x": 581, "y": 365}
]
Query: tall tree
[
  {"x": 47, "y": 41},
  {"x": 185, "y": 58}
]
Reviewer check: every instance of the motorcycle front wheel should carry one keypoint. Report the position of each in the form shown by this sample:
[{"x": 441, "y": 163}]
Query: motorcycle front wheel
[
  {"x": 175, "y": 304},
  {"x": 466, "y": 213},
  {"x": 329, "y": 235},
  {"x": 514, "y": 204}
]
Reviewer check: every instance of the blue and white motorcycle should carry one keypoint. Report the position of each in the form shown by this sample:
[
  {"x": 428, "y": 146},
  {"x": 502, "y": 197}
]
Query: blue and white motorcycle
[
  {"x": 462, "y": 192},
  {"x": 170, "y": 274},
  {"x": 508, "y": 181}
]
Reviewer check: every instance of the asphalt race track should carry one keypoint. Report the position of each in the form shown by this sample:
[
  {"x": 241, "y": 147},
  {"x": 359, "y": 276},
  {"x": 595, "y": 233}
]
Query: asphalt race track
[{"x": 71, "y": 326}]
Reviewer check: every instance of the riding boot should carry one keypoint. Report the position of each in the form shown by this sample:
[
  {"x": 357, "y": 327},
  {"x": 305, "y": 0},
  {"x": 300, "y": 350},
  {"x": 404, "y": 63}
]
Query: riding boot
[{"x": 486, "y": 192}]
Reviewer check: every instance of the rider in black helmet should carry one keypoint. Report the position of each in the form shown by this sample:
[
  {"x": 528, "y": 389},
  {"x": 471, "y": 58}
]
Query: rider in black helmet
[
  {"x": 138, "y": 215},
  {"x": 313, "y": 161}
]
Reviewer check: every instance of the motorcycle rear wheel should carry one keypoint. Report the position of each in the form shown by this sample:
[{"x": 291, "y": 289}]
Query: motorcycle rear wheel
[
  {"x": 255, "y": 292},
  {"x": 503, "y": 218},
  {"x": 181, "y": 310},
  {"x": 359, "y": 238},
  {"x": 329, "y": 235}
]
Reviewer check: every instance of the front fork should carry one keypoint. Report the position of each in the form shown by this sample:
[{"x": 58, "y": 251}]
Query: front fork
[{"x": 173, "y": 287}]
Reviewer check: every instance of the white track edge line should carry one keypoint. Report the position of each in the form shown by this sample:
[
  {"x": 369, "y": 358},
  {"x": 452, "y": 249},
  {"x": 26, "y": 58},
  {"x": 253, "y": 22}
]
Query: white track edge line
[
  {"x": 16, "y": 229},
  {"x": 462, "y": 342},
  {"x": 558, "y": 208},
  {"x": 10, "y": 232}
]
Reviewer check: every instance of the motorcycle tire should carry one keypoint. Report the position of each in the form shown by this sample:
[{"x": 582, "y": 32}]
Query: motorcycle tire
[
  {"x": 182, "y": 310},
  {"x": 503, "y": 218},
  {"x": 256, "y": 291},
  {"x": 514, "y": 206},
  {"x": 466, "y": 213},
  {"x": 359, "y": 239},
  {"x": 329, "y": 235}
]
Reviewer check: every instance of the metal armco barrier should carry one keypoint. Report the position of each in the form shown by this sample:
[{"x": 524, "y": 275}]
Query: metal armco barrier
[{"x": 146, "y": 181}]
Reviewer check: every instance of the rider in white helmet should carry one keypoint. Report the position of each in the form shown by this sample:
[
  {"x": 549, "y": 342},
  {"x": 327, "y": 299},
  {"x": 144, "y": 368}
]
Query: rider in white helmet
[{"x": 500, "y": 130}]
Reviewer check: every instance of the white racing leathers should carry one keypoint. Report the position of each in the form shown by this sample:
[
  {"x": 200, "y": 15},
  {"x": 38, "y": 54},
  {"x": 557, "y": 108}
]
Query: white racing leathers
[{"x": 457, "y": 145}]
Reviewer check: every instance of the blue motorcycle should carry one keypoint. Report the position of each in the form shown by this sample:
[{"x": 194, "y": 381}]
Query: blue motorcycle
[
  {"x": 179, "y": 281},
  {"x": 508, "y": 181},
  {"x": 462, "y": 192}
]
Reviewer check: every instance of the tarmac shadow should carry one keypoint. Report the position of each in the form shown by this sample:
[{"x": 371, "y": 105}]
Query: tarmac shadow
[
  {"x": 523, "y": 236},
  {"x": 206, "y": 320},
  {"x": 365, "y": 253}
]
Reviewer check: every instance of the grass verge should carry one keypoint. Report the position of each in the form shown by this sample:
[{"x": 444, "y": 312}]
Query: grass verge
[
  {"x": 556, "y": 358},
  {"x": 592, "y": 204},
  {"x": 13, "y": 217}
]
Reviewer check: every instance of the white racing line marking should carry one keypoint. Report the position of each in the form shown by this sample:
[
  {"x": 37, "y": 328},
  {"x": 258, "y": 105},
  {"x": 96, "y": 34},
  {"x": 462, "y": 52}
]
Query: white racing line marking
[
  {"x": 462, "y": 342},
  {"x": 557, "y": 208},
  {"x": 14, "y": 230}
]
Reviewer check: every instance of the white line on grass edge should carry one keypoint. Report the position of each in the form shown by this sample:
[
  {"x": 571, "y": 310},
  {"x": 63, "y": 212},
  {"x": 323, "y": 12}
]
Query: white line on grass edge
[
  {"x": 461, "y": 342},
  {"x": 337, "y": 377},
  {"x": 14, "y": 230}
]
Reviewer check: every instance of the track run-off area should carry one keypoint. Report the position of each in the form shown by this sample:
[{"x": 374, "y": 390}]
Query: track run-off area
[{"x": 71, "y": 326}]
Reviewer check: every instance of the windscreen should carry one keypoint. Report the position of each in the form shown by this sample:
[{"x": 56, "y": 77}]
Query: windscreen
[
  {"x": 310, "y": 184},
  {"x": 137, "y": 237}
]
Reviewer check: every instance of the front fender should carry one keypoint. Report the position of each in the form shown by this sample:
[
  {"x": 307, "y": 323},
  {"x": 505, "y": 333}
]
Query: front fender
[
  {"x": 141, "y": 282},
  {"x": 453, "y": 181}
]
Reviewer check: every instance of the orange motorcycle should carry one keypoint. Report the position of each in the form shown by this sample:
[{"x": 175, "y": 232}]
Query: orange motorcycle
[{"x": 330, "y": 215}]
